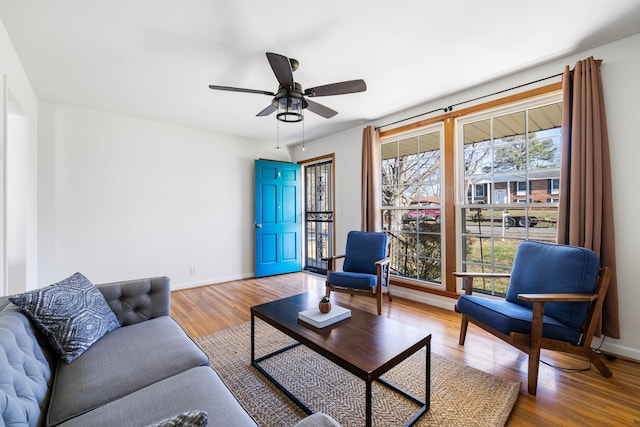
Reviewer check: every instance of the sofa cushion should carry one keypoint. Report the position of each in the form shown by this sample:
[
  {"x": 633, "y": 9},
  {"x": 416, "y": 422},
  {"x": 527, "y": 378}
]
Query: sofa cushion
[
  {"x": 128, "y": 359},
  {"x": 72, "y": 314},
  {"x": 195, "y": 389},
  {"x": 25, "y": 373}
]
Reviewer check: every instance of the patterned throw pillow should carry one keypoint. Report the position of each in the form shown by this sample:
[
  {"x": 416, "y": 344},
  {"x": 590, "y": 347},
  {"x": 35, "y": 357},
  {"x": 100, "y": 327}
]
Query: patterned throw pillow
[
  {"x": 186, "y": 419},
  {"x": 72, "y": 314}
]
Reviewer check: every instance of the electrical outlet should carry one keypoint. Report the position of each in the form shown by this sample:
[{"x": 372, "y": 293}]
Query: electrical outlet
[{"x": 192, "y": 271}]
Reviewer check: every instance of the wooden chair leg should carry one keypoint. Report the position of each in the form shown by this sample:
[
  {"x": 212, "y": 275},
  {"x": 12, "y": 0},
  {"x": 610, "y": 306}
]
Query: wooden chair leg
[
  {"x": 379, "y": 301},
  {"x": 463, "y": 329},
  {"x": 534, "y": 362},
  {"x": 389, "y": 293},
  {"x": 599, "y": 364},
  {"x": 534, "y": 346},
  {"x": 328, "y": 292}
]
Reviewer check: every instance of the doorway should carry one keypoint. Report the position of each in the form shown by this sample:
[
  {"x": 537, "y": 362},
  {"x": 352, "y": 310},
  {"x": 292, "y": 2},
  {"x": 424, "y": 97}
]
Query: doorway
[{"x": 318, "y": 214}]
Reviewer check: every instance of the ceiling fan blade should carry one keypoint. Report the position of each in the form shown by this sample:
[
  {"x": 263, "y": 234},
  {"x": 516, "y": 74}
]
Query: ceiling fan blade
[
  {"x": 270, "y": 109},
  {"x": 238, "y": 89},
  {"x": 341, "y": 88},
  {"x": 281, "y": 67},
  {"x": 321, "y": 110}
]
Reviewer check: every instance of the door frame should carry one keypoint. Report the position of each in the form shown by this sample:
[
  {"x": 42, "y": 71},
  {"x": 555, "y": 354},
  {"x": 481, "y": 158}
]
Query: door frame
[{"x": 307, "y": 162}]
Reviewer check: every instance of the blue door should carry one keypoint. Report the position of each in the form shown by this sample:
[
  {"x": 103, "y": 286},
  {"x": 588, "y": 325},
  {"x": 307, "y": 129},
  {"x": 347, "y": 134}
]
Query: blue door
[{"x": 278, "y": 223}]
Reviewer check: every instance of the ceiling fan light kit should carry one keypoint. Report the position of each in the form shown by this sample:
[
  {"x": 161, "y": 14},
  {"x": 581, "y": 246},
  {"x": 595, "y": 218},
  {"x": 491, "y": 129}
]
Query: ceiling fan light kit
[
  {"x": 290, "y": 107},
  {"x": 289, "y": 100}
]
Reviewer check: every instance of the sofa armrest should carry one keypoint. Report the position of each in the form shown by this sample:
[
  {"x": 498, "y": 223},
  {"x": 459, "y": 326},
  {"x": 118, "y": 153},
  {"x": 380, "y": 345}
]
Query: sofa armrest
[{"x": 134, "y": 301}]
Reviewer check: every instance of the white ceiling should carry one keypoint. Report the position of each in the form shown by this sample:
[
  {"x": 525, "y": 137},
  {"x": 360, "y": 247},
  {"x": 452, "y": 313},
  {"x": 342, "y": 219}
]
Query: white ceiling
[{"x": 155, "y": 58}]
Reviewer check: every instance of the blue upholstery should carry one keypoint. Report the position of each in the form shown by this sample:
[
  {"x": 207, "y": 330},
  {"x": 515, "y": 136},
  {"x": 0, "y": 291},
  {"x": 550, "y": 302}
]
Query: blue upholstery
[
  {"x": 507, "y": 317},
  {"x": 359, "y": 268},
  {"x": 543, "y": 268},
  {"x": 25, "y": 372},
  {"x": 540, "y": 268},
  {"x": 363, "y": 250},
  {"x": 353, "y": 280}
]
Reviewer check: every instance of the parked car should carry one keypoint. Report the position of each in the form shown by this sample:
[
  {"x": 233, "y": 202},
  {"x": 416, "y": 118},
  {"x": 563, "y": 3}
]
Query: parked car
[{"x": 426, "y": 213}]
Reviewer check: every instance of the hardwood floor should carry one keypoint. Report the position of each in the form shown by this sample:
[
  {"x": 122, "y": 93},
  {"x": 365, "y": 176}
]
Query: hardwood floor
[{"x": 564, "y": 397}]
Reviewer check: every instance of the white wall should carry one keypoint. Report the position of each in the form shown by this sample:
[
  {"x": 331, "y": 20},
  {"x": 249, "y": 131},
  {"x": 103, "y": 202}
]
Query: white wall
[
  {"x": 621, "y": 60},
  {"x": 18, "y": 136},
  {"x": 124, "y": 198}
]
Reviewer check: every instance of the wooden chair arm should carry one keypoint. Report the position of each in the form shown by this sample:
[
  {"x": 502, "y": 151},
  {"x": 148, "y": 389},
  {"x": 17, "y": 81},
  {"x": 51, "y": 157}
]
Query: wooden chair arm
[
  {"x": 383, "y": 261},
  {"x": 469, "y": 275},
  {"x": 333, "y": 258},
  {"x": 558, "y": 297},
  {"x": 330, "y": 261}
]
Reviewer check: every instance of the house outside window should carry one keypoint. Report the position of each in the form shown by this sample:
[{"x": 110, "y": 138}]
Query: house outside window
[
  {"x": 515, "y": 150},
  {"x": 411, "y": 204}
]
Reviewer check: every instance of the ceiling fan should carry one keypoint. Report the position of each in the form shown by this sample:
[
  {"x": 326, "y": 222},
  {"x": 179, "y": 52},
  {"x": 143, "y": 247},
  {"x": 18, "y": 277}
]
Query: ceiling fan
[{"x": 290, "y": 98}]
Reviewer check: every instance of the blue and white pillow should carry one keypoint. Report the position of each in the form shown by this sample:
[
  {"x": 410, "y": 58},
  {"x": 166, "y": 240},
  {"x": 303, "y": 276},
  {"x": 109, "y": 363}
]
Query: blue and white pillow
[{"x": 73, "y": 314}]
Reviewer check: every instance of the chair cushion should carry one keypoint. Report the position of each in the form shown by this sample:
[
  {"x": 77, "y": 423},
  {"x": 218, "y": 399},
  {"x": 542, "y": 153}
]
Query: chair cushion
[
  {"x": 507, "y": 317},
  {"x": 353, "y": 280},
  {"x": 541, "y": 268},
  {"x": 363, "y": 250}
]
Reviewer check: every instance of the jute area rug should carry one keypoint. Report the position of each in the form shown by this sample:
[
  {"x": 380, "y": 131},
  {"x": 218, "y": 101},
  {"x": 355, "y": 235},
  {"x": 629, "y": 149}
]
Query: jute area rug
[{"x": 460, "y": 395}]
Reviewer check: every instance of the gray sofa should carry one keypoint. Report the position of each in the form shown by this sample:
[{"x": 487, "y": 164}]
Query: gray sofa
[{"x": 139, "y": 374}]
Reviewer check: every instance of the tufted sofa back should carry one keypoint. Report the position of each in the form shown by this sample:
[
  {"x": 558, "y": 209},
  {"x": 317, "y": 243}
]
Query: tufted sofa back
[
  {"x": 26, "y": 366},
  {"x": 139, "y": 300}
]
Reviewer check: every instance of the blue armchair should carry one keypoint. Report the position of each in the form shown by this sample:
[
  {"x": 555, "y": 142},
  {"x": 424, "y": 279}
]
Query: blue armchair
[
  {"x": 554, "y": 301},
  {"x": 365, "y": 269}
]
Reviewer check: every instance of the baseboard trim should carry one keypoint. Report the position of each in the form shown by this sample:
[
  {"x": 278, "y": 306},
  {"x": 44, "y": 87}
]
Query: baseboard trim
[
  {"x": 212, "y": 281},
  {"x": 423, "y": 297}
]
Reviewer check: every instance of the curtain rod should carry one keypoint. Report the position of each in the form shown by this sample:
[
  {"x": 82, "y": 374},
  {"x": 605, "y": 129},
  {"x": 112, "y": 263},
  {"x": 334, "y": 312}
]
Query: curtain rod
[{"x": 450, "y": 107}]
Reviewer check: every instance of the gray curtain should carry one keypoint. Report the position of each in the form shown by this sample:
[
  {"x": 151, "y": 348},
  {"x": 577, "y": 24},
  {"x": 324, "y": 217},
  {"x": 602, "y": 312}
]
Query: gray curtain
[
  {"x": 585, "y": 216},
  {"x": 370, "y": 210}
]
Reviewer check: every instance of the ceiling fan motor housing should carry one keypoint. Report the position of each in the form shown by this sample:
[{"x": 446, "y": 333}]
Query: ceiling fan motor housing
[{"x": 290, "y": 103}]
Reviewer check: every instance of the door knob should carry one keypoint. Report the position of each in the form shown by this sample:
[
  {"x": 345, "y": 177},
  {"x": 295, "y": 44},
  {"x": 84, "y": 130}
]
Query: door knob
[{"x": 258, "y": 225}]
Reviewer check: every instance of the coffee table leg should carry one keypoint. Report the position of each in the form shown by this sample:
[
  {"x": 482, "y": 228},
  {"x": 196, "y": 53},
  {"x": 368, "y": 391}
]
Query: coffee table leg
[
  {"x": 253, "y": 331},
  {"x": 427, "y": 391},
  {"x": 368, "y": 404}
]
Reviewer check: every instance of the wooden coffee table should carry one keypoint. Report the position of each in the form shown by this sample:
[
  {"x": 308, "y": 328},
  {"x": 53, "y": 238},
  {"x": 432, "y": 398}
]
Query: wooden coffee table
[{"x": 365, "y": 345}]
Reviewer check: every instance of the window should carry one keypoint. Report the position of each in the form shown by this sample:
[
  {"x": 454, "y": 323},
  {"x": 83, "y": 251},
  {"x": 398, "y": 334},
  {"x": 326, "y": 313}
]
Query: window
[
  {"x": 516, "y": 152},
  {"x": 461, "y": 169},
  {"x": 554, "y": 186},
  {"x": 411, "y": 204}
]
